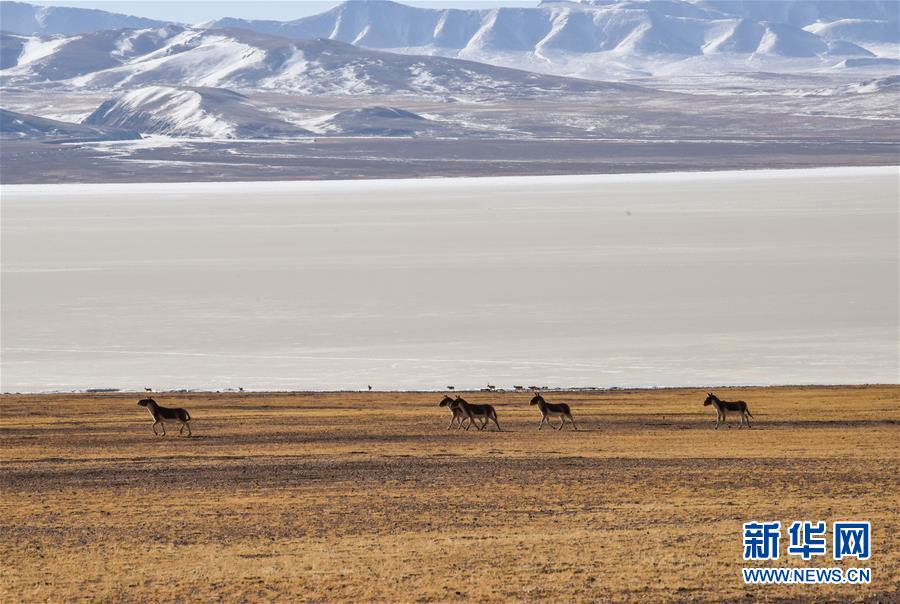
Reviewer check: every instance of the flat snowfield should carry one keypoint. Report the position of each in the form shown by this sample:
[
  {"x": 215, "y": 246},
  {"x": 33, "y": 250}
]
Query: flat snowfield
[
  {"x": 630, "y": 280},
  {"x": 366, "y": 497}
]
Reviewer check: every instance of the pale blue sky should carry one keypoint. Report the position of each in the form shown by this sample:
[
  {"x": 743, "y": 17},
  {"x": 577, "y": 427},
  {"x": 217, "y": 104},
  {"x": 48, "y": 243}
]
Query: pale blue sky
[{"x": 195, "y": 11}]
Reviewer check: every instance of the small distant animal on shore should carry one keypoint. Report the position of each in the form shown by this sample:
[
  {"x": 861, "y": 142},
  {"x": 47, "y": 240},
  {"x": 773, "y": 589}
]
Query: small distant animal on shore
[
  {"x": 723, "y": 408},
  {"x": 548, "y": 410},
  {"x": 451, "y": 387},
  {"x": 148, "y": 389},
  {"x": 370, "y": 387},
  {"x": 518, "y": 388},
  {"x": 161, "y": 415}
]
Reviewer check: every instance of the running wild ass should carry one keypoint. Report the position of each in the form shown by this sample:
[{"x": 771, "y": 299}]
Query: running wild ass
[
  {"x": 723, "y": 408},
  {"x": 548, "y": 410},
  {"x": 161, "y": 415},
  {"x": 485, "y": 413},
  {"x": 457, "y": 414}
]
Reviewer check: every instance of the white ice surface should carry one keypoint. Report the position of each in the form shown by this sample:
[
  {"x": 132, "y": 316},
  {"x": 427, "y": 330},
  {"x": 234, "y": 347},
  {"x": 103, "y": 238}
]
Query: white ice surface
[{"x": 632, "y": 280}]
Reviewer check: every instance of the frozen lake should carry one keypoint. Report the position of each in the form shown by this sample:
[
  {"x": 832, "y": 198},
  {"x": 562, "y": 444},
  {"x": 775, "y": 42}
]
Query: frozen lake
[{"x": 770, "y": 277}]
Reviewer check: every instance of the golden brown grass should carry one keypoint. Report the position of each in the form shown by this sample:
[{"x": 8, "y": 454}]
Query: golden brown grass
[{"x": 366, "y": 497}]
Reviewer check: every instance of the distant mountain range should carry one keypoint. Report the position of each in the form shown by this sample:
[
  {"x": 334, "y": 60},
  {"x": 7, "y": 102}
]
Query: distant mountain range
[
  {"x": 218, "y": 113},
  {"x": 627, "y": 26},
  {"x": 606, "y": 39},
  {"x": 599, "y": 39},
  {"x": 242, "y": 59},
  {"x": 225, "y": 79},
  {"x": 173, "y": 80}
]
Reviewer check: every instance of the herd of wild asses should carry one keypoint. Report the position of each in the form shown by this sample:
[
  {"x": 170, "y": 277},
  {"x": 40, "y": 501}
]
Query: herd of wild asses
[{"x": 463, "y": 411}]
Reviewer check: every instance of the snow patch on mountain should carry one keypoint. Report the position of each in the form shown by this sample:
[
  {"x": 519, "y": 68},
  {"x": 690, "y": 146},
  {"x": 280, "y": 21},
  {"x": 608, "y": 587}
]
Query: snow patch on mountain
[
  {"x": 191, "y": 112},
  {"x": 32, "y": 50},
  {"x": 36, "y": 48},
  {"x": 57, "y": 58},
  {"x": 212, "y": 60},
  {"x": 162, "y": 110}
]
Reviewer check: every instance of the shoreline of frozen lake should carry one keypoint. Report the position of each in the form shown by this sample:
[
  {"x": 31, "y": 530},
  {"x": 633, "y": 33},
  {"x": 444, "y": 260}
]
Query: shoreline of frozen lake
[
  {"x": 276, "y": 186},
  {"x": 669, "y": 279}
]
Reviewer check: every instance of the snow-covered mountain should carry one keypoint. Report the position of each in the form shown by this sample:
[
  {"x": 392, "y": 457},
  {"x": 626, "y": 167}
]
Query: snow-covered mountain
[
  {"x": 594, "y": 39},
  {"x": 30, "y": 20},
  {"x": 24, "y": 126},
  {"x": 191, "y": 112},
  {"x": 56, "y": 58},
  {"x": 261, "y": 79},
  {"x": 242, "y": 59},
  {"x": 611, "y": 33},
  {"x": 381, "y": 121}
]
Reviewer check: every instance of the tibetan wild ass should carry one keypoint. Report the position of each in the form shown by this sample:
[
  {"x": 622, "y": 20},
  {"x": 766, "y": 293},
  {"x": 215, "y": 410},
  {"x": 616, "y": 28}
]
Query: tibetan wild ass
[
  {"x": 723, "y": 408},
  {"x": 161, "y": 415},
  {"x": 548, "y": 410}
]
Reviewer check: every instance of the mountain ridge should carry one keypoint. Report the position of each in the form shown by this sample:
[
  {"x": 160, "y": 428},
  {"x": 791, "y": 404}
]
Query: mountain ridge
[
  {"x": 242, "y": 59},
  {"x": 593, "y": 39},
  {"x": 678, "y": 26},
  {"x": 15, "y": 124},
  {"x": 190, "y": 112},
  {"x": 29, "y": 20}
]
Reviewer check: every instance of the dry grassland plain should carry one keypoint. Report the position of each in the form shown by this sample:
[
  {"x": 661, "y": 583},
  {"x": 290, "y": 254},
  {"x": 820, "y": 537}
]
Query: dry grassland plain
[{"x": 367, "y": 496}]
